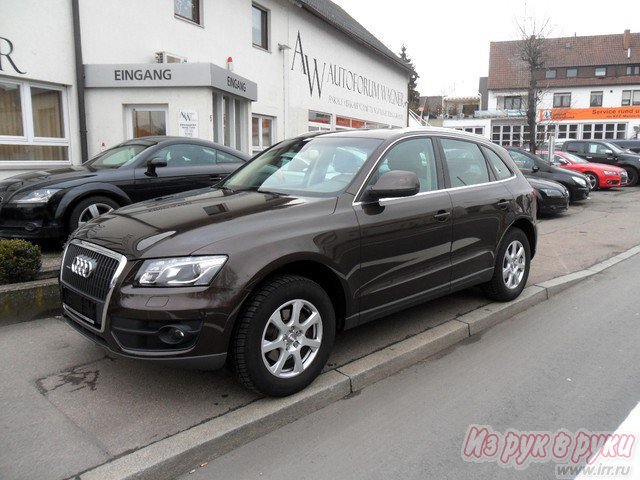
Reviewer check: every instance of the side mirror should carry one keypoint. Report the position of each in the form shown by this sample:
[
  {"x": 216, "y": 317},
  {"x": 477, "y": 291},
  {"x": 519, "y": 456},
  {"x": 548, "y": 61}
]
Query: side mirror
[
  {"x": 608, "y": 152},
  {"x": 535, "y": 169},
  {"x": 396, "y": 183},
  {"x": 155, "y": 163}
]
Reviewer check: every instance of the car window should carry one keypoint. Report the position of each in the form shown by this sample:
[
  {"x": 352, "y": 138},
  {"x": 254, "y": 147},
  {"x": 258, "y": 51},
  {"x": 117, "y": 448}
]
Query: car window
[
  {"x": 465, "y": 163},
  {"x": 574, "y": 147},
  {"x": 185, "y": 155},
  {"x": 522, "y": 161},
  {"x": 117, "y": 157},
  {"x": 499, "y": 167},
  {"x": 597, "y": 148},
  {"x": 415, "y": 155},
  {"x": 224, "y": 157}
]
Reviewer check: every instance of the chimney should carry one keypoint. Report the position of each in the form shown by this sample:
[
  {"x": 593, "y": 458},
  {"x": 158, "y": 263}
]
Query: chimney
[{"x": 626, "y": 40}]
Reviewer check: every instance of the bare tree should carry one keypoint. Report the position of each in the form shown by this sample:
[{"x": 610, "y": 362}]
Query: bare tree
[{"x": 532, "y": 53}]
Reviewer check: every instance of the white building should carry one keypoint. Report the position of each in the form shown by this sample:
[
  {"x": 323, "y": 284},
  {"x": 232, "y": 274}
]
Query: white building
[
  {"x": 242, "y": 73},
  {"x": 589, "y": 89}
]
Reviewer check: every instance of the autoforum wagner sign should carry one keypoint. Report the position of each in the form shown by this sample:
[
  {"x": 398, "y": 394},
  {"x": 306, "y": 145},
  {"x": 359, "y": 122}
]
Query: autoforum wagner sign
[
  {"x": 169, "y": 75},
  {"x": 320, "y": 74}
]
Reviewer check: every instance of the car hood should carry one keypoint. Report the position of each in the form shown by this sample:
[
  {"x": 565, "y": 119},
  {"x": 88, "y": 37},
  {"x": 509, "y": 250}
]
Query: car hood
[
  {"x": 597, "y": 166},
  {"x": 539, "y": 183},
  {"x": 182, "y": 224},
  {"x": 56, "y": 178}
]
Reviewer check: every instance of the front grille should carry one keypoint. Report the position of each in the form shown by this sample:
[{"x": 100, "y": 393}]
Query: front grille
[{"x": 97, "y": 285}]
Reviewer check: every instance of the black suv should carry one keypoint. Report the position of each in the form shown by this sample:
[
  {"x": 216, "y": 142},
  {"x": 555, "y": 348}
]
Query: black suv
[
  {"x": 602, "y": 151},
  {"x": 317, "y": 233}
]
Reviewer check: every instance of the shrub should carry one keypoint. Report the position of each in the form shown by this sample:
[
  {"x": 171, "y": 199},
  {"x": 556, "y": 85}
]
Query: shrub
[{"x": 20, "y": 261}]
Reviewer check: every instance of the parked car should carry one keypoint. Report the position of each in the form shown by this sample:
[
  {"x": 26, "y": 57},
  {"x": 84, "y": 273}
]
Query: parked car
[
  {"x": 599, "y": 174},
  {"x": 53, "y": 203},
  {"x": 262, "y": 271},
  {"x": 603, "y": 151},
  {"x": 632, "y": 145},
  {"x": 551, "y": 197},
  {"x": 534, "y": 166}
]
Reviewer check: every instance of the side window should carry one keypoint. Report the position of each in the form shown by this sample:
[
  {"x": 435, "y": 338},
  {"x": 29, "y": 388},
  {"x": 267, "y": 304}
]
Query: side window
[
  {"x": 416, "y": 155},
  {"x": 224, "y": 157},
  {"x": 185, "y": 155},
  {"x": 597, "y": 148},
  {"x": 465, "y": 163},
  {"x": 499, "y": 167}
]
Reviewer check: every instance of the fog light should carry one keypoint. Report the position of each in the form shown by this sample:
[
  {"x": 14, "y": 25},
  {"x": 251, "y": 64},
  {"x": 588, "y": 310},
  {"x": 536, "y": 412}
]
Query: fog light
[{"x": 174, "y": 334}]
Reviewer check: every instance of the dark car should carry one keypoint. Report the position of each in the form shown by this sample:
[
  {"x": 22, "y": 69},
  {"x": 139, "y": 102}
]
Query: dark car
[
  {"x": 551, "y": 197},
  {"x": 53, "y": 203},
  {"x": 317, "y": 233},
  {"x": 603, "y": 151},
  {"x": 534, "y": 166},
  {"x": 632, "y": 145}
]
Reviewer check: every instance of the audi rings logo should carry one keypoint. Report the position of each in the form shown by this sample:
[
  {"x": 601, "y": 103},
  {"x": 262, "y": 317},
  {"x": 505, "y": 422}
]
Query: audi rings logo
[{"x": 83, "y": 266}]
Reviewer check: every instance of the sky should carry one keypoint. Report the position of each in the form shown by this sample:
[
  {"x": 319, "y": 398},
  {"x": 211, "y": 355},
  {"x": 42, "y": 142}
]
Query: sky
[{"x": 448, "y": 40}]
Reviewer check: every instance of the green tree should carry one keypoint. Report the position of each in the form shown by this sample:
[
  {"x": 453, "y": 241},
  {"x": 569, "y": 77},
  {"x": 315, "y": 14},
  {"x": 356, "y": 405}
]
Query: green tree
[{"x": 413, "y": 96}]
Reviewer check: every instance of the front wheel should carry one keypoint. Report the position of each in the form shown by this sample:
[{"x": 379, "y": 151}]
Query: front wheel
[
  {"x": 283, "y": 336},
  {"x": 88, "y": 209},
  {"x": 633, "y": 176},
  {"x": 593, "y": 180},
  {"x": 511, "y": 268}
]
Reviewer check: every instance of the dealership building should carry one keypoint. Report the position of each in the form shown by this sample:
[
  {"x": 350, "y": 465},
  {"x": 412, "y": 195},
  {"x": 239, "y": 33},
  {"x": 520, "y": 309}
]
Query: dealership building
[
  {"x": 78, "y": 76},
  {"x": 588, "y": 89}
]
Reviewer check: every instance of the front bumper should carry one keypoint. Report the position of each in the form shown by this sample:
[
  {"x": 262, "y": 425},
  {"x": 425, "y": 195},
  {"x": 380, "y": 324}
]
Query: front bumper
[
  {"x": 29, "y": 221},
  {"x": 551, "y": 205},
  {"x": 578, "y": 193}
]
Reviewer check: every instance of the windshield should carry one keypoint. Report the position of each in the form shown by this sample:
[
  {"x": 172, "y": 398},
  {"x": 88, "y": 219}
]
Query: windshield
[
  {"x": 574, "y": 158},
  {"x": 316, "y": 166},
  {"x": 117, "y": 157}
]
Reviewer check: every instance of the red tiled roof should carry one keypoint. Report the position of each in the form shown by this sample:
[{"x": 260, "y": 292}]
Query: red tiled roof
[{"x": 506, "y": 71}]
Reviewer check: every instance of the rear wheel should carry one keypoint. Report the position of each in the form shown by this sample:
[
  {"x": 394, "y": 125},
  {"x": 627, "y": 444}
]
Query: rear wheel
[
  {"x": 633, "y": 176},
  {"x": 593, "y": 180},
  {"x": 88, "y": 209},
  {"x": 283, "y": 336},
  {"x": 511, "y": 268}
]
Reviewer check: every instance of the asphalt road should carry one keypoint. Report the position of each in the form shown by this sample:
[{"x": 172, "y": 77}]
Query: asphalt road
[{"x": 571, "y": 362}]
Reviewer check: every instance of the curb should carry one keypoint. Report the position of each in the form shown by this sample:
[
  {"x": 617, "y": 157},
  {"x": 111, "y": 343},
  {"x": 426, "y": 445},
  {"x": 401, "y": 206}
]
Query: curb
[
  {"x": 37, "y": 299},
  {"x": 177, "y": 454}
]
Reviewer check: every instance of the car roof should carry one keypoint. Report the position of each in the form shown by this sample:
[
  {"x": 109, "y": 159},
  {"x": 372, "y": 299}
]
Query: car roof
[
  {"x": 160, "y": 139},
  {"x": 393, "y": 133}
]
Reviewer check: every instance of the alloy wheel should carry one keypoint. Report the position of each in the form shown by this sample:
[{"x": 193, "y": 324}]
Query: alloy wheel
[
  {"x": 93, "y": 211},
  {"x": 514, "y": 265},
  {"x": 291, "y": 339}
]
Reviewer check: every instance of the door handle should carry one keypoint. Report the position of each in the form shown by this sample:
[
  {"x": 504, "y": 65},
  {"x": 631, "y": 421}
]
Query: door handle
[
  {"x": 589, "y": 158},
  {"x": 442, "y": 216},
  {"x": 503, "y": 204}
]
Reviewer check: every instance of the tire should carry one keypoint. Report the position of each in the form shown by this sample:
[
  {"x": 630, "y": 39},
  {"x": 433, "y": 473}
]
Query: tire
[
  {"x": 594, "y": 182},
  {"x": 497, "y": 289},
  {"x": 276, "y": 372},
  {"x": 84, "y": 212},
  {"x": 633, "y": 176}
]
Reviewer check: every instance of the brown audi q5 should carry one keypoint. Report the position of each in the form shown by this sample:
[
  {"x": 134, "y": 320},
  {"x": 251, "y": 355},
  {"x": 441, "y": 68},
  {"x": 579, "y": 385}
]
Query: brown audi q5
[{"x": 318, "y": 233}]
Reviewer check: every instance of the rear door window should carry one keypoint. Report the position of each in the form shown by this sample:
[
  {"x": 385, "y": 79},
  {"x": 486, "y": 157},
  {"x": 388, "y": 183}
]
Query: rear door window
[
  {"x": 500, "y": 168},
  {"x": 465, "y": 163}
]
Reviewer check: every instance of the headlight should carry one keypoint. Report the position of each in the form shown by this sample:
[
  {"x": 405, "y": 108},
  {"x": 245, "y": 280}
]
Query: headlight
[
  {"x": 611, "y": 172},
  {"x": 549, "y": 192},
  {"x": 36, "y": 196},
  {"x": 179, "y": 272},
  {"x": 580, "y": 181}
]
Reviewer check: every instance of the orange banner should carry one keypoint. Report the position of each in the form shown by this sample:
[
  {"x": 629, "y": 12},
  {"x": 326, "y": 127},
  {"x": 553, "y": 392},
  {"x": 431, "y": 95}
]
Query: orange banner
[{"x": 560, "y": 114}]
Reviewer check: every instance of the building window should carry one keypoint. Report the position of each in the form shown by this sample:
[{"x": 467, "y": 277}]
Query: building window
[
  {"x": 566, "y": 131},
  {"x": 187, "y": 10},
  {"x": 551, "y": 73},
  {"x": 33, "y": 122},
  {"x": 636, "y": 97},
  {"x": 262, "y": 132},
  {"x": 630, "y": 97},
  {"x": 633, "y": 70},
  {"x": 476, "y": 130},
  {"x": 260, "y": 27},
  {"x": 596, "y": 99},
  {"x": 512, "y": 103},
  {"x": 510, "y": 135},
  {"x": 320, "y": 122},
  {"x": 147, "y": 120},
  {"x": 601, "y": 131},
  {"x": 601, "y": 71},
  {"x": 572, "y": 72},
  {"x": 561, "y": 100}
]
